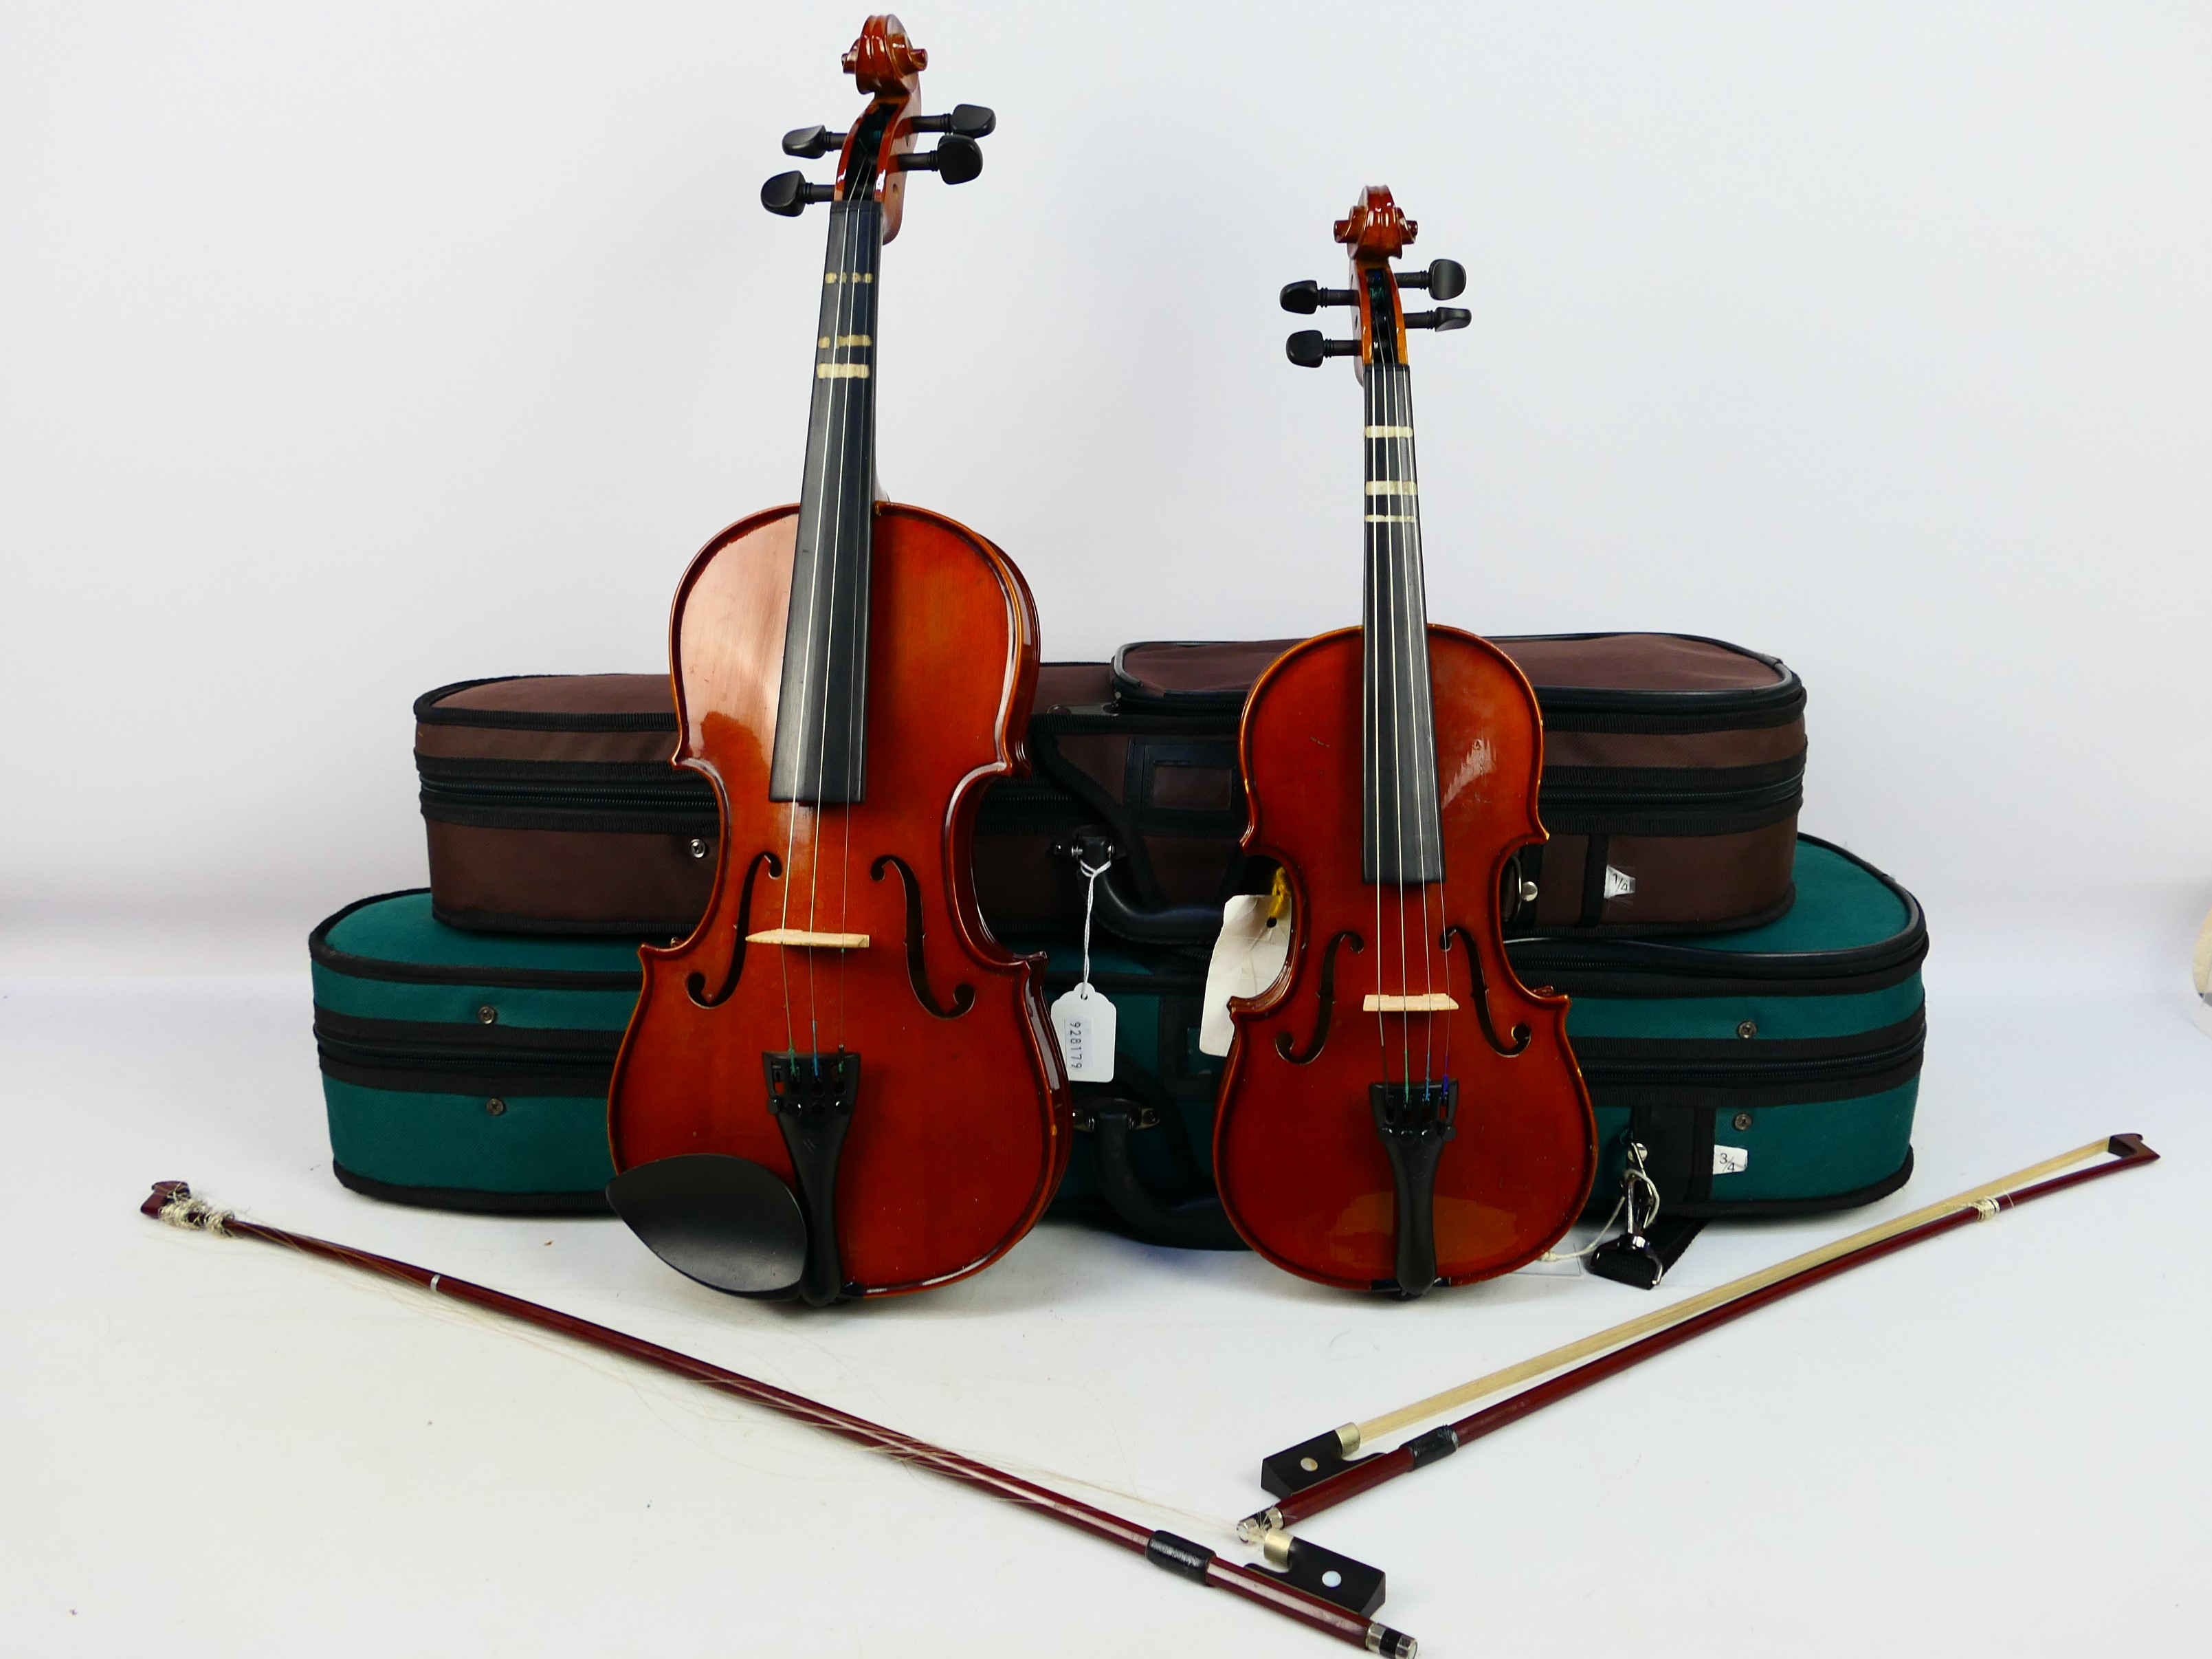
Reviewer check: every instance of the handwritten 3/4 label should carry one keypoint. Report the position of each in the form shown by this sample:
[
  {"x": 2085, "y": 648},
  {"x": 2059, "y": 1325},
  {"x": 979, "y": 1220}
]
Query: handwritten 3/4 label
[{"x": 1083, "y": 1022}]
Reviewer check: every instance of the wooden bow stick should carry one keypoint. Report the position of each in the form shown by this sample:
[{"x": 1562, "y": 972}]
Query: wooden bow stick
[
  {"x": 1321, "y": 1473},
  {"x": 173, "y": 1202}
]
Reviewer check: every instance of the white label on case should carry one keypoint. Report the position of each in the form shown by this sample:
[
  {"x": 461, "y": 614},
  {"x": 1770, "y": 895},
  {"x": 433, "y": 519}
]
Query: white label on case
[
  {"x": 1731, "y": 1160},
  {"x": 1618, "y": 884},
  {"x": 1084, "y": 1021}
]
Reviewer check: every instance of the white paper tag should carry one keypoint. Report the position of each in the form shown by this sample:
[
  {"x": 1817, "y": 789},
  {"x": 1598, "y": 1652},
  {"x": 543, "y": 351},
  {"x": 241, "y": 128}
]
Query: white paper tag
[
  {"x": 1618, "y": 884},
  {"x": 1084, "y": 1021},
  {"x": 1248, "y": 957},
  {"x": 1731, "y": 1160}
]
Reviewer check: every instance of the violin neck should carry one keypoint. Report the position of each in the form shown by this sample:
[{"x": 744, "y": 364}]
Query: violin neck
[
  {"x": 821, "y": 717},
  {"x": 1400, "y": 842}
]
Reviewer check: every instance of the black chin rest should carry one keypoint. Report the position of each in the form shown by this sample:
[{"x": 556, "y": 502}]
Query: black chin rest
[{"x": 733, "y": 1224}]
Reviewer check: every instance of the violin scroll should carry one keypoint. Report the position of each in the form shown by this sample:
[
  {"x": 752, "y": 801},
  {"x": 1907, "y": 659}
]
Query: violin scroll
[
  {"x": 875, "y": 155},
  {"x": 1376, "y": 231}
]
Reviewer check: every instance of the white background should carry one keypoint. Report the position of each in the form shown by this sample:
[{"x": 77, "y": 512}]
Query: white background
[{"x": 346, "y": 352}]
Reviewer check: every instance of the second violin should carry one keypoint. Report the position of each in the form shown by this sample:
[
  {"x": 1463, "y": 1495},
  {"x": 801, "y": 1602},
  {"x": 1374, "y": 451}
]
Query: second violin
[{"x": 1398, "y": 1110}]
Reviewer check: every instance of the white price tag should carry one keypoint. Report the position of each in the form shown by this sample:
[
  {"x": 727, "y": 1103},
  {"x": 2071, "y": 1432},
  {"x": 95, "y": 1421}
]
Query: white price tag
[{"x": 1084, "y": 1021}]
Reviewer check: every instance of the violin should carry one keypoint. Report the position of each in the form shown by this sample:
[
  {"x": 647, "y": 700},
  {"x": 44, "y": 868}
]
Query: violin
[
  {"x": 1397, "y": 1110},
  {"x": 840, "y": 1085}
]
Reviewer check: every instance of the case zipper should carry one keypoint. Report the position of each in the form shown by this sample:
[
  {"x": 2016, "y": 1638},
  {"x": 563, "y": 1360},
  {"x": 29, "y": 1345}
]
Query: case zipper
[{"x": 1750, "y": 1073}]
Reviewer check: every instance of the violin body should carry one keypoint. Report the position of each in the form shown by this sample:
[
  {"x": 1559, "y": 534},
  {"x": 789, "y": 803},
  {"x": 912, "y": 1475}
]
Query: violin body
[
  {"x": 960, "y": 1132},
  {"x": 1302, "y": 1172}
]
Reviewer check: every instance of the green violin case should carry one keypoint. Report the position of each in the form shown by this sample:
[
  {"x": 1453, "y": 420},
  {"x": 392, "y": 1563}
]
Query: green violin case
[
  {"x": 1768, "y": 1071},
  {"x": 467, "y": 1070}
]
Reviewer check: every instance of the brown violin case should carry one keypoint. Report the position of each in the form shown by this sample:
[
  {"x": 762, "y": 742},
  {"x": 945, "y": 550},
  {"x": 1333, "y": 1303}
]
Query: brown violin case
[
  {"x": 1673, "y": 772},
  {"x": 551, "y": 806},
  {"x": 1673, "y": 768}
]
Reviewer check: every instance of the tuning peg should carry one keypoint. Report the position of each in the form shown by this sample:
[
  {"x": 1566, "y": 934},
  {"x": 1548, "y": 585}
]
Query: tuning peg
[
  {"x": 812, "y": 141},
  {"x": 1445, "y": 279},
  {"x": 1306, "y": 297},
  {"x": 956, "y": 159},
  {"x": 788, "y": 193},
  {"x": 968, "y": 120},
  {"x": 1307, "y": 349},
  {"x": 1443, "y": 319}
]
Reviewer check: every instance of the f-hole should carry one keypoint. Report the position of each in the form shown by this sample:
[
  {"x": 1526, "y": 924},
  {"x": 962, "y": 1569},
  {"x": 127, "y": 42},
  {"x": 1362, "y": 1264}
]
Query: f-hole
[
  {"x": 1521, "y": 1033},
  {"x": 695, "y": 985},
  {"x": 1327, "y": 993},
  {"x": 917, "y": 969}
]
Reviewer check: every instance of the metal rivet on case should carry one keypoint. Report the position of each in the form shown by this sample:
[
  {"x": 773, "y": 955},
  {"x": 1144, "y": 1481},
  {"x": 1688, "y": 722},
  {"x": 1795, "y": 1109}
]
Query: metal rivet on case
[
  {"x": 1743, "y": 1120},
  {"x": 1749, "y": 1028},
  {"x": 488, "y": 1015},
  {"x": 698, "y": 847},
  {"x": 495, "y": 1106}
]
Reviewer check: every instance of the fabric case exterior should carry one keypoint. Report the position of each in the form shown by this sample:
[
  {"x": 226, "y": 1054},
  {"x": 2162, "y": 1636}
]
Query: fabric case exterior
[
  {"x": 551, "y": 806},
  {"x": 467, "y": 1070},
  {"x": 1143, "y": 1155},
  {"x": 1674, "y": 769},
  {"x": 1768, "y": 1070}
]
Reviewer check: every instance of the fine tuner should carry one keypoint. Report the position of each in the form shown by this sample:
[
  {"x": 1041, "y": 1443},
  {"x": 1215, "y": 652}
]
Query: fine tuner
[
  {"x": 1444, "y": 279},
  {"x": 957, "y": 159}
]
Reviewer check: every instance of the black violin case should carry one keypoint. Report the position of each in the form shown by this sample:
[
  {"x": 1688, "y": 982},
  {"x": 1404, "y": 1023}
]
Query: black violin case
[{"x": 1674, "y": 769}]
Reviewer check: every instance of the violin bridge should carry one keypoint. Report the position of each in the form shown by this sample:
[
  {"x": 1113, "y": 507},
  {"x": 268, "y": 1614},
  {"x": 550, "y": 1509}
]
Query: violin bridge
[
  {"x": 805, "y": 940},
  {"x": 1433, "y": 1002}
]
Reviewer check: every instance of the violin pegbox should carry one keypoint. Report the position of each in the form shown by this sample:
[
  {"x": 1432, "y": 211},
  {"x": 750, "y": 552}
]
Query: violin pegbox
[
  {"x": 875, "y": 155},
  {"x": 1375, "y": 231}
]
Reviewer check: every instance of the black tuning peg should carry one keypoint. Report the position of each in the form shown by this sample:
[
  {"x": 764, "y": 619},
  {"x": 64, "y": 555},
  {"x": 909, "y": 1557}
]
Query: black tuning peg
[
  {"x": 812, "y": 141},
  {"x": 1307, "y": 350},
  {"x": 968, "y": 120},
  {"x": 1306, "y": 297},
  {"x": 1446, "y": 279},
  {"x": 956, "y": 159},
  {"x": 1443, "y": 319},
  {"x": 788, "y": 193}
]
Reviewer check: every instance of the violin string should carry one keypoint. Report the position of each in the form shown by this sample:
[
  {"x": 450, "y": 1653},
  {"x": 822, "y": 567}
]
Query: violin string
[
  {"x": 824, "y": 624},
  {"x": 1408, "y": 654},
  {"x": 1426, "y": 800},
  {"x": 1399, "y": 667},
  {"x": 857, "y": 659},
  {"x": 833, "y": 277},
  {"x": 1371, "y": 688}
]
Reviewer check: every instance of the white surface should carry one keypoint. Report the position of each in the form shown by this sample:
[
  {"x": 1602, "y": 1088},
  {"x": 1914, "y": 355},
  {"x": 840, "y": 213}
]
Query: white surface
[
  {"x": 1996, "y": 1439},
  {"x": 350, "y": 350}
]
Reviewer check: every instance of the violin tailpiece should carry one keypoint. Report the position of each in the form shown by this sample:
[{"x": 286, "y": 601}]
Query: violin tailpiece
[
  {"x": 1414, "y": 1121},
  {"x": 812, "y": 1097}
]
